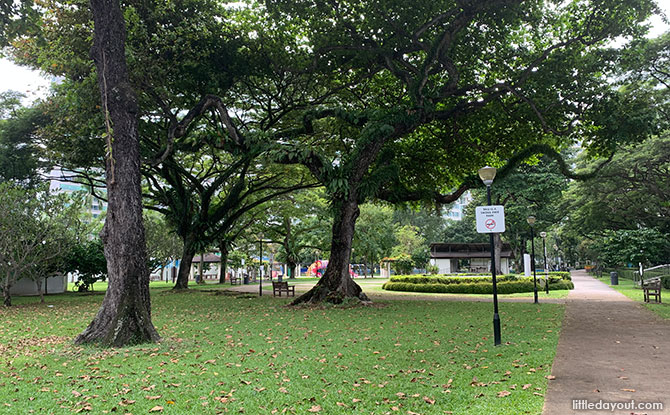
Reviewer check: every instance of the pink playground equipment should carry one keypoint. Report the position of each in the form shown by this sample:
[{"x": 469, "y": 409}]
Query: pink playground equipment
[{"x": 319, "y": 267}]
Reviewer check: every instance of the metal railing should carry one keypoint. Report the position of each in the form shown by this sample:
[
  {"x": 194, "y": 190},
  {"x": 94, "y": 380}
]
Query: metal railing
[{"x": 653, "y": 272}]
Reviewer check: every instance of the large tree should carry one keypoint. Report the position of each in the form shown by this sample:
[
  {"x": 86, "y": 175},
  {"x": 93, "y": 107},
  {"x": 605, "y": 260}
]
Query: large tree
[
  {"x": 629, "y": 196},
  {"x": 202, "y": 171},
  {"x": 382, "y": 100},
  {"x": 439, "y": 89},
  {"x": 125, "y": 315}
]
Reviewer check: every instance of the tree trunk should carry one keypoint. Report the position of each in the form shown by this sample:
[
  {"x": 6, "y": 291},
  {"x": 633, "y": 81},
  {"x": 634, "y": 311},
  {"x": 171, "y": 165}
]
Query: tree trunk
[
  {"x": 38, "y": 282},
  {"x": 366, "y": 261},
  {"x": 336, "y": 284},
  {"x": 224, "y": 261},
  {"x": 200, "y": 279},
  {"x": 125, "y": 315},
  {"x": 290, "y": 268},
  {"x": 7, "y": 297},
  {"x": 497, "y": 249},
  {"x": 185, "y": 265}
]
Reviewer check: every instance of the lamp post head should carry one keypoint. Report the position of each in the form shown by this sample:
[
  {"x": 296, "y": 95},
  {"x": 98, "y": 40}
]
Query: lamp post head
[
  {"x": 543, "y": 234},
  {"x": 531, "y": 220},
  {"x": 487, "y": 174}
]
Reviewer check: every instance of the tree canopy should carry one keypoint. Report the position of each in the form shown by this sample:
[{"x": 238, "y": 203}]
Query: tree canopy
[{"x": 376, "y": 99}]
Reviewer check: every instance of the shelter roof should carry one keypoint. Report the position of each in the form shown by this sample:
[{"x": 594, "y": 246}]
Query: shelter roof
[{"x": 467, "y": 250}]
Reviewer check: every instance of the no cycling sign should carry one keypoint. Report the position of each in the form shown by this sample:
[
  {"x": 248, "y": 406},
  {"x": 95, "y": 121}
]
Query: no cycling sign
[{"x": 490, "y": 219}]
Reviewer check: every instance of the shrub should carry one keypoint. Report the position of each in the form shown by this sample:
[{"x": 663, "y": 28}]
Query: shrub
[
  {"x": 432, "y": 269},
  {"x": 564, "y": 275},
  {"x": 665, "y": 282},
  {"x": 428, "y": 279},
  {"x": 403, "y": 264},
  {"x": 519, "y": 285}
]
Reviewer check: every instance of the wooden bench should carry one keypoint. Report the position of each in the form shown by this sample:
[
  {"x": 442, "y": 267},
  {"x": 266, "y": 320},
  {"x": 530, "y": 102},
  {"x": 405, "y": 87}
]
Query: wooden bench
[
  {"x": 235, "y": 280},
  {"x": 652, "y": 288},
  {"x": 278, "y": 287}
]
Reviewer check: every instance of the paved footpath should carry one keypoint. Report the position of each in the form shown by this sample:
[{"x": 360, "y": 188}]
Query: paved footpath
[{"x": 611, "y": 349}]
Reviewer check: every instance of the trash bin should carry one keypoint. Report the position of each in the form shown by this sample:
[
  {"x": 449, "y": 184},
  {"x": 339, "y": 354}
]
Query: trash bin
[
  {"x": 246, "y": 279},
  {"x": 614, "y": 278}
]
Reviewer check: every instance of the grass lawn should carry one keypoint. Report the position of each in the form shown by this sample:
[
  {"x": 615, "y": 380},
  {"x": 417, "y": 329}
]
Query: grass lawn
[
  {"x": 227, "y": 354},
  {"x": 627, "y": 288},
  {"x": 371, "y": 286}
]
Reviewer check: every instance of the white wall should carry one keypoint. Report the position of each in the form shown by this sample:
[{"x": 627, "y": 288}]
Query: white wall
[
  {"x": 52, "y": 285},
  {"x": 450, "y": 266},
  {"x": 445, "y": 265}
]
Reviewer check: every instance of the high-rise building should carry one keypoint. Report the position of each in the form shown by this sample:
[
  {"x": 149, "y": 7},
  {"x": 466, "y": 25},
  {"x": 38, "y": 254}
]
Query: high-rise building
[
  {"x": 62, "y": 181},
  {"x": 456, "y": 210}
]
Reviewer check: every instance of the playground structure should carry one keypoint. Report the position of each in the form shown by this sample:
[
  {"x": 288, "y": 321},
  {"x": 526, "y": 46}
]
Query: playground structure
[{"x": 318, "y": 268}]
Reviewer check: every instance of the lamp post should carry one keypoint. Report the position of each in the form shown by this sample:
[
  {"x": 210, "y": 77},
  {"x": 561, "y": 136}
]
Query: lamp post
[
  {"x": 260, "y": 267},
  {"x": 531, "y": 222},
  {"x": 546, "y": 270},
  {"x": 487, "y": 174}
]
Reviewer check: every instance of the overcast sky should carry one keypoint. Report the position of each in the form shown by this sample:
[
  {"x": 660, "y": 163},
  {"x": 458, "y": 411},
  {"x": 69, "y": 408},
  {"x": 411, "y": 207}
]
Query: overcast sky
[{"x": 33, "y": 85}]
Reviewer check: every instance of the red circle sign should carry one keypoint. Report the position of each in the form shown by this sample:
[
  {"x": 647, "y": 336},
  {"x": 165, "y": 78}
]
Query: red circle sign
[{"x": 490, "y": 224}]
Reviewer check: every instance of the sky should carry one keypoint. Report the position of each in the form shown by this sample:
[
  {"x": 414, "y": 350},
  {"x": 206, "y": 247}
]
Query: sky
[{"x": 35, "y": 86}]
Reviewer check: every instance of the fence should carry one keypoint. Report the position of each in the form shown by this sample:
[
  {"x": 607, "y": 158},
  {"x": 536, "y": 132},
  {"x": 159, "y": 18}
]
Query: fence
[{"x": 657, "y": 271}]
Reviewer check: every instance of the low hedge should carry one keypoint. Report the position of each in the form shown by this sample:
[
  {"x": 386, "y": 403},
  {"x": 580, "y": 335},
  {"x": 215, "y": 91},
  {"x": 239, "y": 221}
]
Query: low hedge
[
  {"x": 554, "y": 277},
  {"x": 521, "y": 285},
  {"x": 564, "y": 275},
  {"x": 427, "y": 279}
]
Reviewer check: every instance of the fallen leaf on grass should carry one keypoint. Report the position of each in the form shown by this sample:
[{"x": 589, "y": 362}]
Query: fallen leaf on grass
[
  {"x": 526, "y": 386},
  {"x": 502, "y": 394},
  {"x": 151, "y": 398},
  {"x": 550, "y": 377},
  {"x": 156, "y": 408},
  {"x": 429, "y": 400},
  {"x": 314, "y": 408}
]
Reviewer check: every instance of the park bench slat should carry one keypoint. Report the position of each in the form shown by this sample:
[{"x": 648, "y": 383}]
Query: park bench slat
[
  {"x": 652, "y": 288},
  {"x": 279, "y": 287}
]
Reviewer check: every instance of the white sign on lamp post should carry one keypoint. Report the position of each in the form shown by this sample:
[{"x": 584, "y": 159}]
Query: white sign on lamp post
[{"x": 490, "y": 219}]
